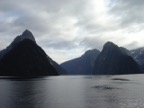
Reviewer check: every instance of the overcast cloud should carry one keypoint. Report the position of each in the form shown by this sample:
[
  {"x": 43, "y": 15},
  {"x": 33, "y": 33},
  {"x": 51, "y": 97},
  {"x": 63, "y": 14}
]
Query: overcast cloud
[{"x": 65, "y": 29}]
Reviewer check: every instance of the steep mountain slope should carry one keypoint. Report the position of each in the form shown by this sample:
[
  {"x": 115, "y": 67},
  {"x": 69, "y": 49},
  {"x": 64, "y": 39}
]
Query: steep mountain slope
[
  {"x": 115, "y": 60},
  {"x": 59, "y": 69},
  {"x": 138, "y": 55},
  {"x": 26, "y": 35},
  {"x": 82, "y": 65},
  {"x": 25, "y": 58}
]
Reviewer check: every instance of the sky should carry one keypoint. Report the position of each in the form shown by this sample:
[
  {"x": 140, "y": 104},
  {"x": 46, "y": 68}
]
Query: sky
[{"x": 65, "y": 29}]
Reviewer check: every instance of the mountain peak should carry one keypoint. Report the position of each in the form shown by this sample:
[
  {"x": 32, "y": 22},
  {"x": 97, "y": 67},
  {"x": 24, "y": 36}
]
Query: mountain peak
[
  {"x": 115, "y": 60},
  {"x": 26, "y": 32},
  {"x": 23, "y": 57},
  {"x": 109, "y": 44},
  {"x": 27, "y": 35},
  {"x": 92, "y": 52}
]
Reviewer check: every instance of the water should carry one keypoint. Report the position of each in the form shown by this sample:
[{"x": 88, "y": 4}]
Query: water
[{"x": 125, "y": 91}]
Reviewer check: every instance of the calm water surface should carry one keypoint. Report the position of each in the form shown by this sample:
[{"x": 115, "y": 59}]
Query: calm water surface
[{"x": 125, "y": 91}]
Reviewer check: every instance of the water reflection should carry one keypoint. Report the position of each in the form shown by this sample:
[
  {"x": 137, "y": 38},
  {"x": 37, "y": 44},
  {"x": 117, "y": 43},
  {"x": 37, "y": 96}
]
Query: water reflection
[
  {"x": 21, "y": 94},
  {"x": 64, "y": 93}
]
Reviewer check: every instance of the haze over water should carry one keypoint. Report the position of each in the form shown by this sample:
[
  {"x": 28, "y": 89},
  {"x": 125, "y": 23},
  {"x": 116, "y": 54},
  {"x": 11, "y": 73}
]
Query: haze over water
[{"x": 124, "y": 91}]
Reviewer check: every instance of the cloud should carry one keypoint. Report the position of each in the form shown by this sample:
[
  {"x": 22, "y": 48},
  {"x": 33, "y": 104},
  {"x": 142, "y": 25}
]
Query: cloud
[
  {"x": 59, "y": 44},
  {"x": 66, "y": 28},
  {"x": 128, "y": 11}
]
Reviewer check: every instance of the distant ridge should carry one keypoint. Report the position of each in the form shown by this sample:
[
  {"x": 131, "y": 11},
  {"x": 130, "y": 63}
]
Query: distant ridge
[
  {"x": 83, "y": 65},
  {"x": 138, "y": 55}
]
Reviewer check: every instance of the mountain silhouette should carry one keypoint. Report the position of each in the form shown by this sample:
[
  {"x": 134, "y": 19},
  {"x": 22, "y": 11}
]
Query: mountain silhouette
[
  {"x": 115, "y": 60},
  {"x": 138, "y": 56},
  {"x": 23, "y": 57},
  {"x": 83, "y": 65}
]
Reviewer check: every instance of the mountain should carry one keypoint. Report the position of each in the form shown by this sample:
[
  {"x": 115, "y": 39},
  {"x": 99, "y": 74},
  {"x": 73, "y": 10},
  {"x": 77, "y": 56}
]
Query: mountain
[
  {"x": 82, "y": 65},
  {"x": 26, "y": 35},
  {"x": 59, "y": 69},
  {"x": 115, "y": 60},
  {"x": 138, "y": 55},
  {"x": 124, "y": 50},
  {"x": 23, "y": 57}
]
